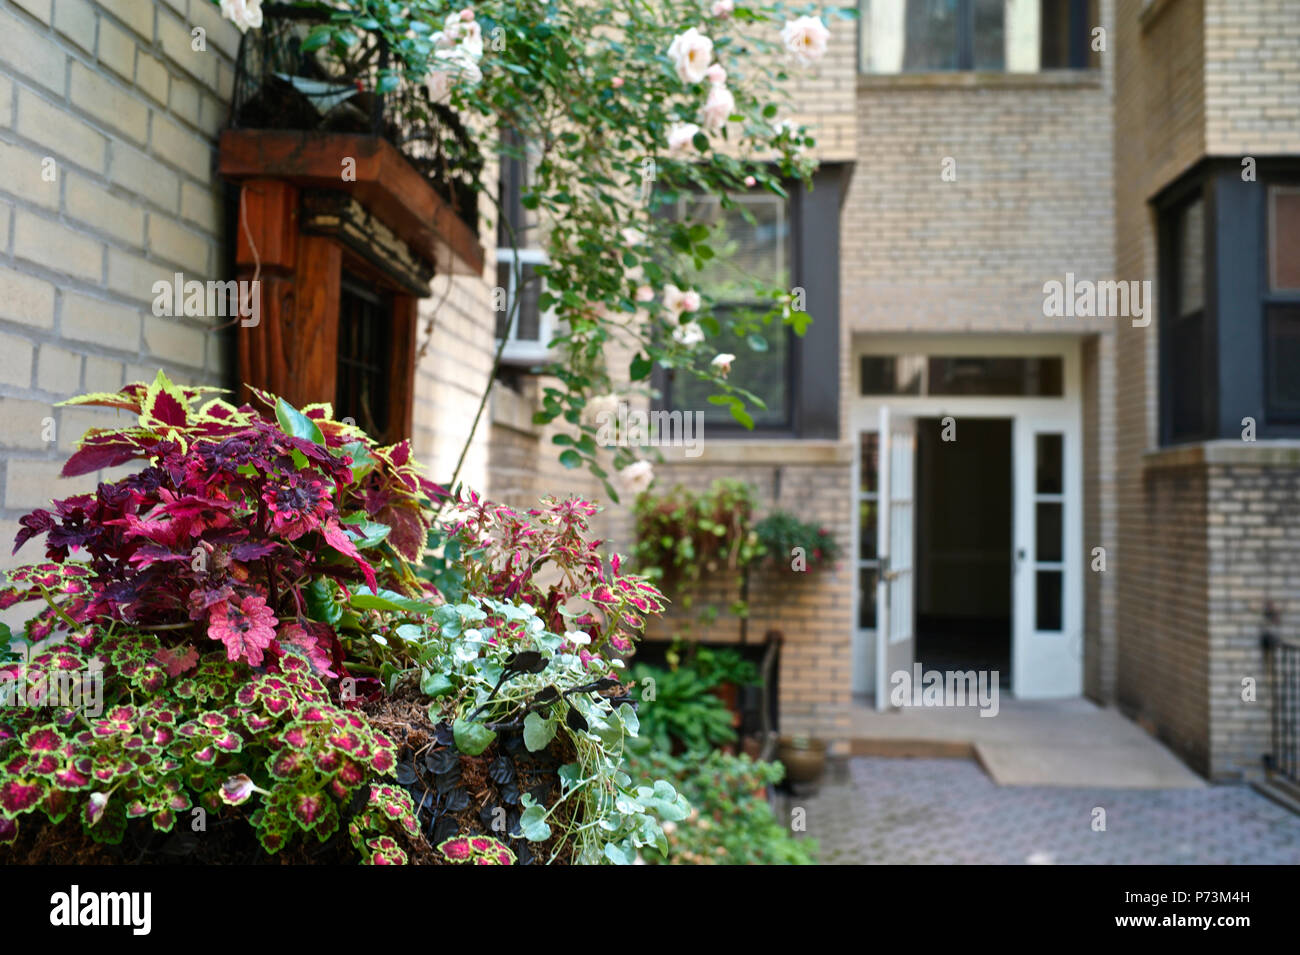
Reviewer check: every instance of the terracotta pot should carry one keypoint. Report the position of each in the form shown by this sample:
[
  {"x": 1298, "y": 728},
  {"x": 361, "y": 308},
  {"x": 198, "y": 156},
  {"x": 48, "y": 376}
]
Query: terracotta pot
[{"x": 804, "y": 758}]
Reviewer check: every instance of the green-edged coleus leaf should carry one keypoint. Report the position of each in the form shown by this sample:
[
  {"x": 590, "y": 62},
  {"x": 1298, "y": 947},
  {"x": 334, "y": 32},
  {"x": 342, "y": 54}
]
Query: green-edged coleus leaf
[
  {"x": 456, "y": 849},
  {"x": 472, "y": 738},
  {"x": 310, "y": 809},
  {"x": 19, "y": 795}
]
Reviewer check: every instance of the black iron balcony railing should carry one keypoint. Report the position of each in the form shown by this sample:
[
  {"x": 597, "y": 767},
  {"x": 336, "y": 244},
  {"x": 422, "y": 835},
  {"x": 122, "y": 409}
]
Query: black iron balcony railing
[
  {"x": 1282, "y": 659},
  {"x": 281, "y": 86}
]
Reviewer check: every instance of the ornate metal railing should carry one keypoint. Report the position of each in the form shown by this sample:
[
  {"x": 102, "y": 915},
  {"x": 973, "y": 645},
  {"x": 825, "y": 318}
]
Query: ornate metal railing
[
  {"x": 1283, "y": 661},
  {"x": 279, "y": 85}
]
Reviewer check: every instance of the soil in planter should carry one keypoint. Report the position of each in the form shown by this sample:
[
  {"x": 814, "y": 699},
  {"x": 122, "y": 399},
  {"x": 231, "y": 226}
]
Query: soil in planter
[{"x": 458, "y": 794}]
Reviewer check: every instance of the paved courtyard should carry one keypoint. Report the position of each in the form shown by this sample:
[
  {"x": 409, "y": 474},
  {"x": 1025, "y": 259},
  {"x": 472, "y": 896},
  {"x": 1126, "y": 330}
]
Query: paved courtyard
[{"x": 876, "y": 810}]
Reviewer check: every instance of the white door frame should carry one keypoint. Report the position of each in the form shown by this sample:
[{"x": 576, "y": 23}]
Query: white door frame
[{"x": 1064, "y": 413}]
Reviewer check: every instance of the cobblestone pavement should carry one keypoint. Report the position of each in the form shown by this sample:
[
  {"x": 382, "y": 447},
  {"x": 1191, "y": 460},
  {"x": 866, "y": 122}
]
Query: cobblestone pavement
[{"x": 945, "y": 811}]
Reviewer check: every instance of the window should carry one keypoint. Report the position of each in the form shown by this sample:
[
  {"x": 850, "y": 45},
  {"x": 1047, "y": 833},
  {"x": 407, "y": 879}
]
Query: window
[
  {"x": 1229, "y": 299},
  {"x": 793, "y": 242},
  {"x": 961, "y": 375},
  {"x": 1014, "y": 36},
  {"x": 532, "y": 328},
  {"x": 752, "y": 243},
  {"x": 1186, "y": 345},
  {"x": 362, "y": 385}
]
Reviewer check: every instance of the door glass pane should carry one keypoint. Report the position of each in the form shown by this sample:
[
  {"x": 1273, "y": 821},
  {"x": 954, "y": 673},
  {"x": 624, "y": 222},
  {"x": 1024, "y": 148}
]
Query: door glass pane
[
  {"x": 869, "y": 462},
  {"x": 1048, "y": 586},
  {"x": 867, "y": 598},
  {"x": 1049, "y": 453},
  {"x": 867, "y": 515},
  {"x": 1047, "y": 524}
]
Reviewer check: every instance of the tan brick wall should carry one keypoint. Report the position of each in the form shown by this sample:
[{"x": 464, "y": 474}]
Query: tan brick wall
[
  {"x": 111, "y": 98},
  {"x": 1252, "y": 77}
]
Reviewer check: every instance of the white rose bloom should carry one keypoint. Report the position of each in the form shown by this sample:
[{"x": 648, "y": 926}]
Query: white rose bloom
[
  {"x": 633, "y": 237},
  {"x": 723, "y": 8},
  {"x": 722, "y": 362},
  {"x": 243, "y": 13},
  {"x": 638, "y": 476},
  {"x": 688, "y": 334},
  {"x": 806, "y": 38},
  {"x": 720, "y": 105},
  {"x": 645, "y": 293},
  {"x": 691, "y": 52},
  {"x": 716, "y": 74},
  {"x": 681, "y": 137}
]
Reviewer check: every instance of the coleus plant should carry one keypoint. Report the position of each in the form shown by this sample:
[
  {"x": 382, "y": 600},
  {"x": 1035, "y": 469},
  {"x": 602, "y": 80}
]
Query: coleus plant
[
  {"x": 237, "y": 521},
  {"x": 182, "y": 732}
]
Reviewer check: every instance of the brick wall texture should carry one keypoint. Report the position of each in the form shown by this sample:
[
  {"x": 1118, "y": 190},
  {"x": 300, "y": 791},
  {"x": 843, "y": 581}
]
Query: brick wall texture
[{"x": 108, "y": 115}]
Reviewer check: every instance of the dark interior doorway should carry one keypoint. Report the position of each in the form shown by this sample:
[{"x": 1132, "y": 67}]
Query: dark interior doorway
[{"x": 963, "y": 545}]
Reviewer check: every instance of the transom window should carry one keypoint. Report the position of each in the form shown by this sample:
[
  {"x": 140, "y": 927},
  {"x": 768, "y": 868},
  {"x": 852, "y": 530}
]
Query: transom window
[
  {"x": 1013, "y": 377},
  {"x": 1013, "y": 36}
]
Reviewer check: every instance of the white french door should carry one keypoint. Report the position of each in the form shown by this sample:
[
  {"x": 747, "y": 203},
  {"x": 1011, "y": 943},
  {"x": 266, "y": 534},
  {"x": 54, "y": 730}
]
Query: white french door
[
  {"x": 895, "y": 542},
  {"x": 1048, "y": 561}
]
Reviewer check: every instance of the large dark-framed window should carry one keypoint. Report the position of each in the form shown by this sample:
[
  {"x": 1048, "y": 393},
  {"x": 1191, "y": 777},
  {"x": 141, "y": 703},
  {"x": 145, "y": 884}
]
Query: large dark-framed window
[
  {"x": 1229, "y": 302},
  {"x": 1012, "y": 36},
  {"x": 798, "y": 377}
]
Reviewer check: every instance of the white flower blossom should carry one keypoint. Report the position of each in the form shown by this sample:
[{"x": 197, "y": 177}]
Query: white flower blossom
[
  {"x": 682, "y": 137},
  {"x": 243, "y": 13},
  {"x": 637, "y": 476},
  {"x": 722, "y": 362},
  {"x": 689, "y": 334},
  {"x": 806, "y": 38},
  {"x": 720, "y": 105},
  {"x": 691, "y": 53}
]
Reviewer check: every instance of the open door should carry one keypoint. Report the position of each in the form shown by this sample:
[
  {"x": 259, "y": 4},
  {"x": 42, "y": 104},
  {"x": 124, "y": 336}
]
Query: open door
[
  {"x": 895, "y": 530},
  {"x": 1048, "y": 657}
]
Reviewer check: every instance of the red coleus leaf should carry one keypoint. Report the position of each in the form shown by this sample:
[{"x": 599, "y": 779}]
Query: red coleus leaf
[
  {"x": 339, "y": 540},
  {"x": 8, "y": 830},
  {"x": 99, "y": 450},
  {"x": 42, "y": 740},
  {"x": 246, "y": 627},
  {"x": 178, "y": 660}
]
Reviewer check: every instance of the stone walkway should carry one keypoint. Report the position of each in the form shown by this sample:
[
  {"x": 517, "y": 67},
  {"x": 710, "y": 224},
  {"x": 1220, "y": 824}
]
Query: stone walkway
[{"x": 876, "y": 810}]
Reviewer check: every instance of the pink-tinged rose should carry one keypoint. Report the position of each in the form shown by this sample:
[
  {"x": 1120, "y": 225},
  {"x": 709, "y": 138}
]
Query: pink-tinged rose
[
  {"x": 243, "y": 13},
  {"x": 691, "y": 53},
  {"x": 806, "y": 38},
  {"x": 723, "y": 8},
  {"x": 644, "y": 293},
  {"x": 678, "y": 300},
  {"x": 467, "y": 14},
  {"x": 716, "y": 74},
  {"x": 617, "y": 82},
  {"x": 751, "y": 182},
  {"x": 723, "y": 362},
  {"x": 718, "y": 107},
  {"x": 681, "y": 137}
]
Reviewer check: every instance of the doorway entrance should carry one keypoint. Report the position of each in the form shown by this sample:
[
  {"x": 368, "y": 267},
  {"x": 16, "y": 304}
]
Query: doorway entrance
[
  {"x": 969, "y": 502},
  {"x": 964, "y": 503}
]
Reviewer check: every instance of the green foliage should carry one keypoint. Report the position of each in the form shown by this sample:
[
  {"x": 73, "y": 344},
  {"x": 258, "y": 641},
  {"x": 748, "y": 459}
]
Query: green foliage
[
  {"x": 590, "y": 92},
  {"x": 732, "y": 822},
  {"x": 781, "y": 532},
  {"x": 724, "y": 665},
  {"x": 686, "y": 538},
  {"x": 679, "y": 711}
]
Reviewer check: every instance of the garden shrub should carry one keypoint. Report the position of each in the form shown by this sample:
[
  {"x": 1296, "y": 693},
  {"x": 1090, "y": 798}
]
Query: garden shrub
[{"x": 731, "y": 822}]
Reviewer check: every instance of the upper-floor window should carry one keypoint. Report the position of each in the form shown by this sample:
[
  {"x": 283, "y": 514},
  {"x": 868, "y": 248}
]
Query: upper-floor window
[
  {"x": 752, "y": 243},
  {"x": 519, "y": 318},
  {"x": 1013, "y": 36},
  {"x": 1229, "y": 300}
]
